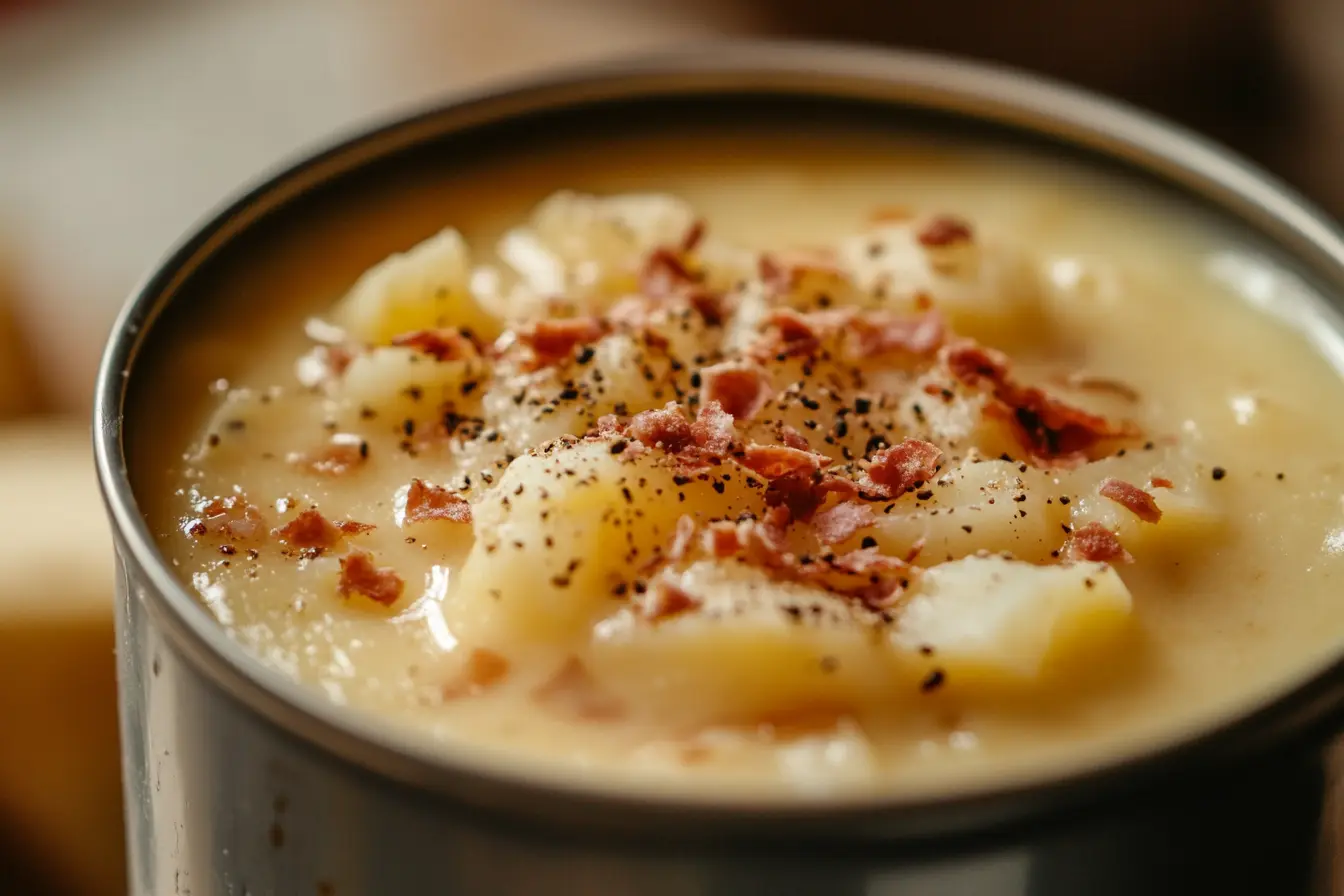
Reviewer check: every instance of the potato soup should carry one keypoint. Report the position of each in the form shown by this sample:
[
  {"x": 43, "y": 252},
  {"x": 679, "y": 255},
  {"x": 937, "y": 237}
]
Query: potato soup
[{"x": 806, "y": 466}]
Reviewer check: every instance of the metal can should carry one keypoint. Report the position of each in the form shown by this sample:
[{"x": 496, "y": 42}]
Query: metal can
[{"x": 240, "y": 782}]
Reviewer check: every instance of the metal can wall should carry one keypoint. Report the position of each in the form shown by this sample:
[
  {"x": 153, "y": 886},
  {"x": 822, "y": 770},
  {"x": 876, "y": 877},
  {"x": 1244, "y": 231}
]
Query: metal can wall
[{"x": 242, "y": 783}]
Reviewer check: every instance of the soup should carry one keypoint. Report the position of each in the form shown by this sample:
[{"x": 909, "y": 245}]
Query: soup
[{"x": 795, "y": 467}]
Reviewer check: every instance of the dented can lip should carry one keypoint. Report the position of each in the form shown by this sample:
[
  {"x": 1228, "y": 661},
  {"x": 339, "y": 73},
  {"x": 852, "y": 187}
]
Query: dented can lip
[{"x": 1018, "y": 102}]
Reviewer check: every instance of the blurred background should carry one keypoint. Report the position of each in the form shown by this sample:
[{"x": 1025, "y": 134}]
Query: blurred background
[{"x": 122, "y": 122}]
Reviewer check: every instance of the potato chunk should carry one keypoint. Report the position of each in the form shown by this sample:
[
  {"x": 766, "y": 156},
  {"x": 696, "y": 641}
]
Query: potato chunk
[
  {"x": 991, "y": 505},
  {"x": 754, "y": 648},
  {"x": 992, "y": 621},
  {"x": 422, "y": 288},
  {"x": 569, "y": 529}
]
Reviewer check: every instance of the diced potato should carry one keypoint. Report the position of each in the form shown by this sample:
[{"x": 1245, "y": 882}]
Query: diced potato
[
  {"x": 403, "y": 384},
  {"x": 568, "y": 529},
  {"x": 953, "y": 416},
  {"x": 625, "y": 374},
  {"x": 986, "y": 290},
  {"x": 1191, "y": 511},
  {"x": 991, "y": 505},
  {"x": 423, "y": 288},
  {"x": 592, "y": 246},
  {"x": 754, "y": 649},
  {"x": 991, "y": 621}
]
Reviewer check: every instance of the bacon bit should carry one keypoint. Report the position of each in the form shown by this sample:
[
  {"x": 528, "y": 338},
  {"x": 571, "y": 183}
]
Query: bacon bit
[
  {"x": 1160, "y": 482},
  {"x": 879, "y": 333},
  {"x": 664, "y": 274},
  {"x": 342, "y": 454},
  {"x": 434, "y": 502},
  {"x": 572, "y": 691},
  {"x": 1047, "y": 427},
  {"x": 721, "y": 539},
  {"x": 359, "y": 575},
  {"x": 775, "y": 524},
  {"x": 893, "y": 471},
  {"x": 792, "y": 438},
  {"x": 915, "y": 550},
  {"x": 666, "y": 428},
  {"x": 682, "y": 538},
  {"x": 742, "y": 388},
  {"x": 713, "y": 428},
  {"x": 1132, "y": 498},
  {"x": 840, "y": 522},
  {"x": 944, "y": 230},
  {"x": 1088, "y": 383},
  {"x": 781, "y": 272},
  {"x": 554, "y": 341},
  {"x": 975, "y": 364},
  {"x": 441, "y": 345},
  {"x": 794, "y": 333},
  {"x": 483, "y": 670},
  {"x": 1095, "y": 543},
  {"x": 667, "y": 600},
  {"x": 606, "y": 426},
  {"x": 775, "y": 461},
  {"x": 690, "y": 241},
  {"x": 309, "y": 529},
  {"x": 709, "y": 305},
  {"x": 802, "y": 494},
  {"x": 230, "y": 516}
]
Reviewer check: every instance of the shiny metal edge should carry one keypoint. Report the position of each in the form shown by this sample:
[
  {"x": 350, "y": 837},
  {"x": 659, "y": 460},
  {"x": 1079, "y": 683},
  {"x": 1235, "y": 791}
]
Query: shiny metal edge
[{"x": 903, "y": 79}]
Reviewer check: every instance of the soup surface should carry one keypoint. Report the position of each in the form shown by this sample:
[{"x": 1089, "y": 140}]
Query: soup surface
[{"x": 859, "y": 463}]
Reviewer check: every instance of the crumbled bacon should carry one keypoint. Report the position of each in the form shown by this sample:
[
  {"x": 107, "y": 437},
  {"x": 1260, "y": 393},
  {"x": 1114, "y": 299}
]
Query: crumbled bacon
[
  {"x": 1160, "y": 482},
  {"x": 944, "y": 230},
  {"x": 794, "y": 333},
  {"x": 775, "y": 461},
  {"x": 666, "y": 600},
  {"x": 666, "y": 428},
  {"x": 1096, "y": 544},
  {"x": 893, "y": 471},
  {"x": 838, "y": 523},
  {"x": 339, "y": 456},
  {"x": 310, "y": 529},
  {"x": 1132, "y": 498},
  {"x": 713, "y": 428},
  {"x": 781, "y": 271},
  {"x": 554, "y": 341},
  {"x": 482, "y": 671},
  {"x": 742, "y": 388},
  {"x": 792, "y": 438},
  {"x": 231, "y": 516},
  {"x": 425, "y": 501},
  {"x": 803, "y": 493},
  {"x": 880, "y": 333},
  {"x": 664, "y": 274},
  {"x": 1048, "y": 428},
  {"x": 572, "y": 691},
  {"x": 360, "y": 575},
  {"x": 690, "y": 240},
  {"x": 441, "y": 344},
  {"x": 709, "y": 305}
]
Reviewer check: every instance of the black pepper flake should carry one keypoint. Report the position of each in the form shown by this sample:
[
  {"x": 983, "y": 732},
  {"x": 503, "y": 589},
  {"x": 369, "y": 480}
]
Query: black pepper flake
[
  {"x": 875, "y": 443},
  {"x": 718, "y": 486},
  {"x": 1064, "y": 499},
  {"x": 862, "y": 405},
  {"x": 560, "y": 581},
  {"x": 868, "y": 542},
  {"x": 1020, "y": 497},
  {"x": 363, "y": 449},
  {"x": 1218, "y": 473},
  {"x": 367, "y": 413},
  {"x": 841, "y": 429},
  {"x": 810, "y": 403},
  {"x": 966, "y": 529},
  {"x": 619, "y": 445},
  {"x": 569, "y": 394},
  {"x": 926, "y": 650},
  {"x": 1278, "y": 476},
  {"x": 625, "y": 491},
  {"x": 408, "y": 427},
  {"x": 212, "y": 440},
  {"x": 924, "y": 495},
  {"x": 227, "y": 550},
  {"x": 933, "y": 681},
  {"x": 415, "y": 393},
  {"x": 469, "y": 387},
  {"x": 235, "y": 425}
]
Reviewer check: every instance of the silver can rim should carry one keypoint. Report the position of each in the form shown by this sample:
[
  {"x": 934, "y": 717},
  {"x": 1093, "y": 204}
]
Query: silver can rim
[{"x": 976, "y": 91}]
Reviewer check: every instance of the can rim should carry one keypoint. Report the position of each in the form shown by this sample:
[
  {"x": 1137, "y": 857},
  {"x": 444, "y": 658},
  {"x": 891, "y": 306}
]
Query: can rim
[{"x": 1021, "y": 101}]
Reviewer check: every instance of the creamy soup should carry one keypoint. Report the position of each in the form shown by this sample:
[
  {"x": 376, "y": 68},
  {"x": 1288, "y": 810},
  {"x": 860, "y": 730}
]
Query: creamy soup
[{"x": 796, "y": 466}]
